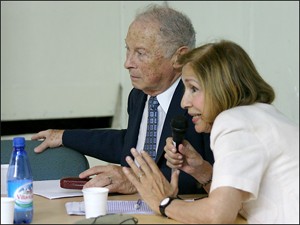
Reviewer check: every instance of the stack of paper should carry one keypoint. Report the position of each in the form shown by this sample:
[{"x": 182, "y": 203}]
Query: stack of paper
[
  {"x": 51, "y": 189},
  {"x": 113, "y": 207}
]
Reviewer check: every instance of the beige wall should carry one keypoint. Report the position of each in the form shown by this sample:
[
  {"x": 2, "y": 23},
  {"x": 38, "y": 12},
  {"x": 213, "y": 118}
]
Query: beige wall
[
  {"x": 65, "y": 59},
  {"x": 59, "y": 59}
]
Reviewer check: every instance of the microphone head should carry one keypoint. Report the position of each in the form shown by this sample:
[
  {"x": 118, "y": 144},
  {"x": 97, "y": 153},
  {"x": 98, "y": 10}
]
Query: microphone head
[
  {"x": 179, "y": 122},
  {"x": 179, "y": 125}
]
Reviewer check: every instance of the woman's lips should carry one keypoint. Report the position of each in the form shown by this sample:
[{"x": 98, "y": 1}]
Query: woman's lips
[{"x": 196, "y": 118}]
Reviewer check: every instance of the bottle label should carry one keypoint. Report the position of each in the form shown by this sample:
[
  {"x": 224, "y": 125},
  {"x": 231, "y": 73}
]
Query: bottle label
[{"x": 22, "y": 192}]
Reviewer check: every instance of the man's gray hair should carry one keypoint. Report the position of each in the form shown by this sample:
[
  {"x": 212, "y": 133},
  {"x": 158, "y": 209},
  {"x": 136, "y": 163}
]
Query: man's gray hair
[{"x": 176, "y": 29}]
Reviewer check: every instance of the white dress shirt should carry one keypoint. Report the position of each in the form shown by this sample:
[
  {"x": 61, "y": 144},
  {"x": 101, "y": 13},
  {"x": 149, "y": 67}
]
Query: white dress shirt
[{"x": 164, "y": 100}]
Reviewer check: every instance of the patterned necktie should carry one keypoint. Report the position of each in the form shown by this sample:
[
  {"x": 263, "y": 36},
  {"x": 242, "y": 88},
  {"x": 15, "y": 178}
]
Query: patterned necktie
[{"x": 150, "y": 142}]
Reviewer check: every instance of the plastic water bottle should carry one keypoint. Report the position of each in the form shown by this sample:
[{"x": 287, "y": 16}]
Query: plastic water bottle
[{"x": 19, "y": 182}]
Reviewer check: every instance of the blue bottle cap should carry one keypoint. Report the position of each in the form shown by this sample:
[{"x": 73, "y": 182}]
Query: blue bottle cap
[{"x": 19, "y": 142}]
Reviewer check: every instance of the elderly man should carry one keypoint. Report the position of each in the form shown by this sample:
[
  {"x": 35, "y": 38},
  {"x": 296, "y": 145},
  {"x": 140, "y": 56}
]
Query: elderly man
[{"x": 155, "y": 40}]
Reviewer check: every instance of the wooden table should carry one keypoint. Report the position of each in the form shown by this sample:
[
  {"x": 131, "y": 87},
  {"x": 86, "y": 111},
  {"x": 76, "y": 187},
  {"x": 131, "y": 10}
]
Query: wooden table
[{"x": 53, "y": 211}]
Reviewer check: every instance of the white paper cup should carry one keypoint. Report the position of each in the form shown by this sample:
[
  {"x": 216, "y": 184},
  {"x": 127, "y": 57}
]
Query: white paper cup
[
  {"x": 7, "y": 210},
  {"x": 95, "y": 201},
  {"x": 4, "y": 168}
]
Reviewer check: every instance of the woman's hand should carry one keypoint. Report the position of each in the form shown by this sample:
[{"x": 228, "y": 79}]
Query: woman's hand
[
  {"x": 188, "y": 160},
  {"x": 149, "y": 180}
]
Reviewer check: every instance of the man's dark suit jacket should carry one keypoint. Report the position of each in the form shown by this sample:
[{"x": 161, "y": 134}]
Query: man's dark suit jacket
[{"x": 114, "y": 145}]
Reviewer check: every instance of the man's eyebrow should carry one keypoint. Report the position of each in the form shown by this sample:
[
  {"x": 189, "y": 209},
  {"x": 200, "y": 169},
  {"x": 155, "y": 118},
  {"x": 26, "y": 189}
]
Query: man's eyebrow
[{"x": 137, "y": 48}]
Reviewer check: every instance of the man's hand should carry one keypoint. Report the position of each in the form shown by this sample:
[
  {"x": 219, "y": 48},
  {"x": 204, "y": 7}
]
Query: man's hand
[
  {"x": 52, "y": 139},
  {"x": 111, "y": 177}
]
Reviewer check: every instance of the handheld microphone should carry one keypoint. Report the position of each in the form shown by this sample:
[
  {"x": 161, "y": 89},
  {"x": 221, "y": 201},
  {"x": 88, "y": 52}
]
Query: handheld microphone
[{"x": 179, "y": 126}]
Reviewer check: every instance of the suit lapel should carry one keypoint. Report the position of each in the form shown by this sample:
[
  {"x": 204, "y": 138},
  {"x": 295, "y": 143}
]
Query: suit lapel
[
  {"x": 136, "y": 117},
  {"x": 174, "y": 109},
  {"x": 135, "y": 110}
]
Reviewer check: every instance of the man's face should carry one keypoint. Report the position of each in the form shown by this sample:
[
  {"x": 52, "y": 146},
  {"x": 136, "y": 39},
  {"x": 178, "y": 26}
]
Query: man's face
[{"x": 149, "y": 70}]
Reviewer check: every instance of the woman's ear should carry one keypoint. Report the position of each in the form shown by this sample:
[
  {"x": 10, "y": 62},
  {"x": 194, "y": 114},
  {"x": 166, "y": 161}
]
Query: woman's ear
[{"x": 182, "y": 50}]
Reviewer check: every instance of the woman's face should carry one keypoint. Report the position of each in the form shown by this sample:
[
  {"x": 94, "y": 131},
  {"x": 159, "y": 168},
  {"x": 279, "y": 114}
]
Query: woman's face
[{"x": 193, "y": 99}]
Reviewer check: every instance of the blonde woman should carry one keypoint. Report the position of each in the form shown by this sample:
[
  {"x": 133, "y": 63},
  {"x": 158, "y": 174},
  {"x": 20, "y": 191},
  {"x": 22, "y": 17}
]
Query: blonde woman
[{"x": 256, "y": 148}]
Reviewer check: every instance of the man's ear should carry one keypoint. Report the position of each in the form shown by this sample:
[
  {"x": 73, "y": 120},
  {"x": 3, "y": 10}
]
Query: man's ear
[{"x": 182, "y": 50}]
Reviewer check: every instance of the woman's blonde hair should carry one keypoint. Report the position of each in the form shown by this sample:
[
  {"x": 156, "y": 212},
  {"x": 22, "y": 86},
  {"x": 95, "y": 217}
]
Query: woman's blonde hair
[{"x": 228, "y": 77}]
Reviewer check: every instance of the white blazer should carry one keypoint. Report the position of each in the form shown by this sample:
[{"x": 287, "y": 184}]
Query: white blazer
[{"x": 256, "y": 149}]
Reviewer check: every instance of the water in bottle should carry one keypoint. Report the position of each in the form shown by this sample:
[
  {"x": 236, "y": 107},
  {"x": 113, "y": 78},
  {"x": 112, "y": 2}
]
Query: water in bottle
[{"x": 19, "y": 182}]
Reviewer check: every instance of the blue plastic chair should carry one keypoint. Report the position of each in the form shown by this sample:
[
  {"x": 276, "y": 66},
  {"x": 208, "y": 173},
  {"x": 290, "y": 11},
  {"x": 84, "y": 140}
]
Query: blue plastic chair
[{"x": 52, "y": 164}]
